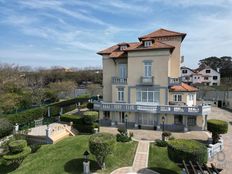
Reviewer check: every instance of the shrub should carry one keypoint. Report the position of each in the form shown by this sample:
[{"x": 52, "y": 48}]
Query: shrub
[
  {"x": 161, "y": 143},
  {"x": 101, "y": 145},
  {"x": 17, "y": 146},
  {"x": 5, "y": 127},
  {"x": 90, "y": 106},
  {"x": 76, "y": 119},
  {"x": 122, "y": 136},
  {"x": 18, "y": 157},
  {"x": 85, "y": 128},
  {"x": 166, "y": 134},
  {"x": 217, "y": 127},
  {"x": 89, "y": 117},
  {"x": 188, "y": 150}
]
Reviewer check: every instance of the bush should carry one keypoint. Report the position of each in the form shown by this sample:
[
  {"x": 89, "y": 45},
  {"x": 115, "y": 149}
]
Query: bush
[
  {"x": 217, "y": 127},
  {"x": 85, "y": 128},
  {"x": 89, "y": 117},
  {"x": 122, "y": 136},
  {"x": 17, "y": 146},
  {"x": 90, "y": 106},
  {"x": 188, "y": 150},
  {"x": 76, "y": 119},
  {"x": 101, "y": 145},
  {"x": 19, "y": 156},
  {"x": 6, "y": 127},
  {"x": 161, "y": 143},
  {"x": 166, "y": 134}
]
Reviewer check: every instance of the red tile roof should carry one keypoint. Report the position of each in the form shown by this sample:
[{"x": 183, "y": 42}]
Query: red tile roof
[
  {"x": 183, "y": 87},
  {"x": 162, "y": 33}
]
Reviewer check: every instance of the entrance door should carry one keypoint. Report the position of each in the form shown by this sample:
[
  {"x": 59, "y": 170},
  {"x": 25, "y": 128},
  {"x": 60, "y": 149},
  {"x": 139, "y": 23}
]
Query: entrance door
[
  {"x": 122, "y": 117},
  {"x": 178, "y": 119},
  {"x": 146, "y": 119},
  {"x": 122, "y": 71}
]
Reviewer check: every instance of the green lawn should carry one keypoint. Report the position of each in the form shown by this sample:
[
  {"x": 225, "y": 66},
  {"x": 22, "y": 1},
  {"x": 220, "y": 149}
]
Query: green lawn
[
  {"x": 159, "y": 161},
  {"x": 66, "y": 157}
]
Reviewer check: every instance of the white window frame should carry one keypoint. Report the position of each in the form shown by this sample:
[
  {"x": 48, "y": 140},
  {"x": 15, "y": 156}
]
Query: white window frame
[
  {"x": 146, "y": 96},
  {"x": 122, "y": 68},
  {"x": 123, "y": 47},
  {"x": 121, "y": 94},
  {"x": 191, "y": 96},
  {"x": 184, "y": 71},
  {"x": 148, "y": 43},
  {"x": 147, "y": 69},
  {"x": 177, "y": 97}
]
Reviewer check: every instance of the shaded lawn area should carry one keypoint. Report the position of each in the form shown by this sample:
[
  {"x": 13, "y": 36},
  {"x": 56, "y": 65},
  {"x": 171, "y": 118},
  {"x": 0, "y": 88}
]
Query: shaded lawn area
[
  {"x": 160, "y": 162},
  {"x": 67, "y": 157}
]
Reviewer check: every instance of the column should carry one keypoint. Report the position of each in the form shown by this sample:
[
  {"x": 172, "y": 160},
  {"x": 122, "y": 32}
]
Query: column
[
  {"x": 158, "y": 121},
  {"x": 205, "y": 122},
  {"x": 49, "y": 112},
  {"x": 185, "y": 119}
]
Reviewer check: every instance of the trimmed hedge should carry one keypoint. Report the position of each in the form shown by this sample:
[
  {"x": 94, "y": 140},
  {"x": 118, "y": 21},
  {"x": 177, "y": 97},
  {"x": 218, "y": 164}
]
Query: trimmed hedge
[
  {"x": 76, "y": 119},
  {"x": 89, "y": 117},
  {"x": 19, "y": 156},
  {"x": 188, "y": 150},
  {"x": 17, "y": 146},
  {"x": 85, "y": 128},
  {"x": 217, "y": 127},
  {"x": 101, "y": 145},
  {"x": 6, "y": 127},
  {"x": 161, "y": 143}
]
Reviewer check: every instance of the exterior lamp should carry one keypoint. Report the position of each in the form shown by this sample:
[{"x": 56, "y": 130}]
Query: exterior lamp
[
  {"x": 126, "y": 117},
  {"x": 163, "y": 120},
  {"x": 86, "y": 156}
]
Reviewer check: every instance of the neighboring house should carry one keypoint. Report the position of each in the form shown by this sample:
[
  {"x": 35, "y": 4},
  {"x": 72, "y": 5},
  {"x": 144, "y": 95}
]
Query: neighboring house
[
  {"x": 141, "y": 87},
  {"x": 206, "y": 76}
]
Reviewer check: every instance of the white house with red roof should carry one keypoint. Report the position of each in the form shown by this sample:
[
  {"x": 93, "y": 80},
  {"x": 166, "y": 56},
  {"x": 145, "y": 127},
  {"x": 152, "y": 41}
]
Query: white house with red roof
[
  {"x": 142, "y": 87},
  {"x": 206, "y": 75}
]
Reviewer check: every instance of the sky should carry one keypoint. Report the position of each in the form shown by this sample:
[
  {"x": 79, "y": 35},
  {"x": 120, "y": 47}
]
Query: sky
[{"x": 68, "y": 33}]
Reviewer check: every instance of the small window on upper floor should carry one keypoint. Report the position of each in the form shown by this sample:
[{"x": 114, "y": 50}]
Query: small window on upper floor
[
  {"x": 147, "y": 43},
  {"x": 184, "y": 71},
  {"x": 215, "y": 77},
  {"x": 123, "y": 47},
  {"x": 207, "y": 71}
]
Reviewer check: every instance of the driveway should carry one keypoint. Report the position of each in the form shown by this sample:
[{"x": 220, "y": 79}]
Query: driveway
[{"x": 224, "y": 159}]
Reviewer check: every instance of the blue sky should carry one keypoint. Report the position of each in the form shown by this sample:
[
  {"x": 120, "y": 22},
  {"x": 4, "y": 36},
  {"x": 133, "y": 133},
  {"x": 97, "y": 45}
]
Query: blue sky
[{"x": 44, "y": 33}]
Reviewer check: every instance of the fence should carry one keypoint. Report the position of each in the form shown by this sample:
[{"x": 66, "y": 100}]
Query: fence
[{"x": 213, "y": 149}]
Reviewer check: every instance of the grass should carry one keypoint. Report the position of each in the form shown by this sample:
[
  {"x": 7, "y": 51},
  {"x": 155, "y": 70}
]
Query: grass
[
  {"x": 67, "y": 157},
  {"x": 160, "y": 162}
]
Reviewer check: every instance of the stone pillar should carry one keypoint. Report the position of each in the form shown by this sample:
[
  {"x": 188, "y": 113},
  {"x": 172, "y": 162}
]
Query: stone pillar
[
  {"x": 16, "y": 128},
  {"x": 48, "y": 133},
  {"x": 61, "y": 110},
  {"x": 79, "y": 107},
  {"x": 49, "y": 112},
  {"x": 205, "y": 122},
  {"x": 185, "y": 119},
  {"x": 86, "y": 167},
  {"x": 158, "y": 121}
]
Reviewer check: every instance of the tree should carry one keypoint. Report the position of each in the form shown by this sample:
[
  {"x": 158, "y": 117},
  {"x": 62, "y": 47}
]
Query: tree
[
  {"x": 101, "y": 145},
  {"x": 217, "y": 127}
]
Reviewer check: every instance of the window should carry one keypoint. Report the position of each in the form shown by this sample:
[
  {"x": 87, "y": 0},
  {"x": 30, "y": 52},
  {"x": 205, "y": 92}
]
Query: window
[
  {"x": 178, "y": 119},
  {"x": 191, "y": 96},
  {"x": 122, "y": 70},
  {"x": 147, "y": 69},
  {"x": 207, "y": 71},
  {"x": 184, "y": 71},
  {"x": 147, "y": 96},
  {"x": 215, "y": 77},
  {"x": 198, "y": 77},
  {"x": 123, "y": 47},
  {"x": 147, "y": 43},
  {"x": 214, "y": 84},
  {"x": 191, "y": 121},
  {"x": 195, "y": 77},
  {"x": 206, "y": 78},
  {"x": 120, "y": 94},
  {"x": 187, "y": 78},
  {"x": 177, "y": 97}
]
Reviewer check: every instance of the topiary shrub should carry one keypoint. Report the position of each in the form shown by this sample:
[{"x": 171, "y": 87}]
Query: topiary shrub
[
  {"x": 18, "y": 151},
  {"x": 161, "y": 143},
  {"x": 122, "y": 136},
  {"x": 188, "y": 150},
  {"x": 101, "y": 145},
  {"x": 90, "y": 106},
  {"x": 17, "y": 146},
  {"x": 89, "y": 117},
  {"x": 6, "y": 127},
  {"x": 217, "y": 127}
]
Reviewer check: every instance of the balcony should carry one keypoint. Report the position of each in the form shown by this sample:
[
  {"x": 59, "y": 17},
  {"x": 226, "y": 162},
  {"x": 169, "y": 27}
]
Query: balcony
[
  {"x": 173, "y": 81},
  {"x": 119, "y": 80},
  {"x": 161, "y": 109},
  {"x": 147, "y": 80}
]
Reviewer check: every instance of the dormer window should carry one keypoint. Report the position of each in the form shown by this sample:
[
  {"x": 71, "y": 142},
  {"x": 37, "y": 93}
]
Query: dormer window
[
  {"x": 147, "y": 43},
  {"x": 123, "y": 47}
]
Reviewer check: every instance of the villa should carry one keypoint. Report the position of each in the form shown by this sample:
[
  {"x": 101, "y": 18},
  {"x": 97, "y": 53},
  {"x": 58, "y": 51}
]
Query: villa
[{"x": 142, "y": 87}]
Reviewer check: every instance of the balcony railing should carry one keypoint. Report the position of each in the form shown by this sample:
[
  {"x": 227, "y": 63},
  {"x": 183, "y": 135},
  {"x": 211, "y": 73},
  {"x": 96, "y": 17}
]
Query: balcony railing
[
  {"x": 147, "y": 80},
  {"x": 174, "y": 81},
  {"x": 163, "y": 109},
  {"x": 119, "y": 80}
]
